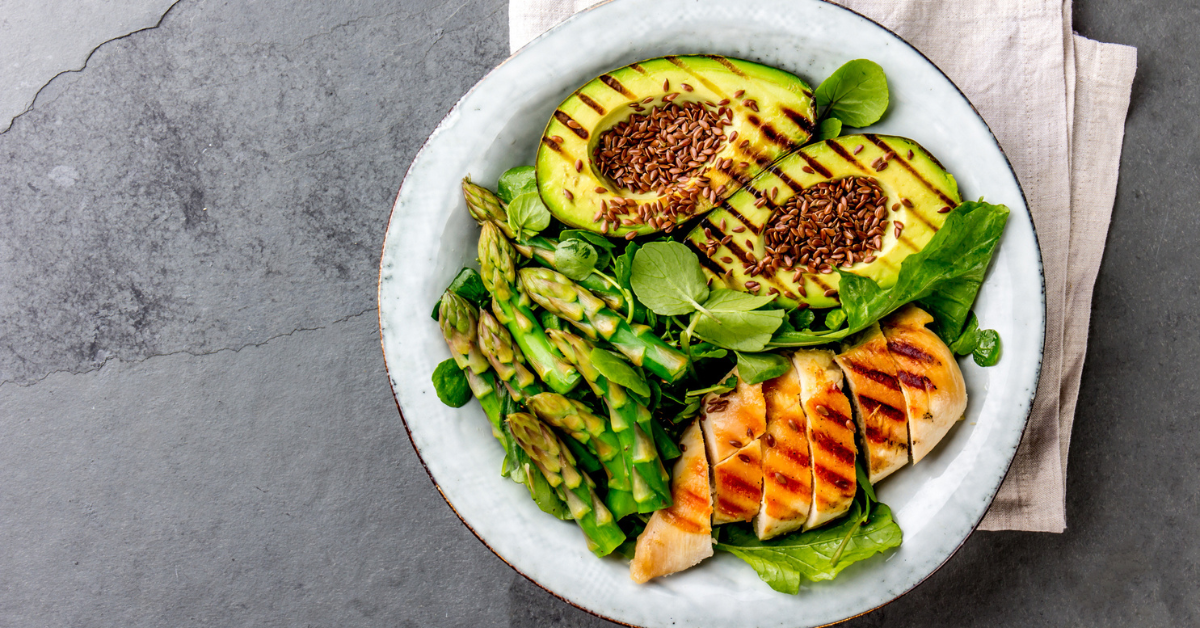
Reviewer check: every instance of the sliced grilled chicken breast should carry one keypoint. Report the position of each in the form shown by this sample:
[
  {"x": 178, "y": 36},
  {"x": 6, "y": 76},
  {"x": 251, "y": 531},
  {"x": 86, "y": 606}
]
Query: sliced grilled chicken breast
[
  {"x": 737, "y": 485},
  {"x": 679, "y": 537},
  {"x": 787, "y": 465},
  {"x": 830, "y": 435},
  {"x": 935, "y": 393},
  {"x": 875, "y": 391},
  {"x": 731, "y": 421}
]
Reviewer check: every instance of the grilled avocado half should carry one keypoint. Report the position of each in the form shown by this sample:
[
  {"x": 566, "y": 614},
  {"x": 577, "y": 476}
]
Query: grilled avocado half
[
  {"x": 772, "y": 113},
  {"x": 919, "y": 194}
]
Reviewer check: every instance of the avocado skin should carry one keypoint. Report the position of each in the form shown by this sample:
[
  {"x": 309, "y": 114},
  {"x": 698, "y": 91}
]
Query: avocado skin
[
  {"x": 784, "y": 122},
  {"x": 920, "y": 179}
]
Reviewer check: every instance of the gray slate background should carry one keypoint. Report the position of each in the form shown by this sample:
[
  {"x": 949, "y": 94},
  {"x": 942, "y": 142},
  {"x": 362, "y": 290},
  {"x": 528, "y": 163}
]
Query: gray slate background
[{"x": 195, "y": 422}]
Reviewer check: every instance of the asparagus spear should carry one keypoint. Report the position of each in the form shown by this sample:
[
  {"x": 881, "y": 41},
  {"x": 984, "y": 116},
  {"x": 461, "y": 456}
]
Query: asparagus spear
[
  {"x": 568, "y": 300},
  {"x": 630, "y": 419},
  {"x": 574, "y": 418},
  {"x": 485, "y": 206},
  {"x": 576, "y": 489},
  {"x": 505, "y": 357},
  {"x": 498, "y": 269}
]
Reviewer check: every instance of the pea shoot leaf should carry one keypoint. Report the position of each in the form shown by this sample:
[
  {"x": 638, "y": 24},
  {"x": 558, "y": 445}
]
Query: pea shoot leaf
[
  {"x": 733, "y": 322},
  {"x": 451, "y": 384},
  {"x": 856, "y": 94},
  {"x": 666, "y": 277},
  {"x": 830, "y": 128},
  {"x": 527, "y": 215},
  {"x": 575, "y": 258},
  {"x": 759, "y": 367},
  {"x": 515, "y": 182},
  {"x": 468, "y": 285}
]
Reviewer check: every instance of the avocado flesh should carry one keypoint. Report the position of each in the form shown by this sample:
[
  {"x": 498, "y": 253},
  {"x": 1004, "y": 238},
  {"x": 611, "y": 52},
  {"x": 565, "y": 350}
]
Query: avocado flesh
[
  {"x": 921, "y": 180},
  {"x": 783, "y": 122}
]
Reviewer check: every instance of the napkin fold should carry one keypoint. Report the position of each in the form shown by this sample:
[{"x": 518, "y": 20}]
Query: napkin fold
[{"x": 1057, "y": 103}]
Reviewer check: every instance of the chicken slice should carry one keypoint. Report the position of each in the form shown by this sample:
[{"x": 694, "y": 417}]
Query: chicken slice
[
  {"x": 679, "y": 537},
  {"x": 737, "y": 485},
  {"x": 935, "y": 393},
  {"x": 787, "y": 466},
  {"x": 830, "y": 435},
  {"x": 731, "y": 421},
  {"x": 876, "y": 392}
]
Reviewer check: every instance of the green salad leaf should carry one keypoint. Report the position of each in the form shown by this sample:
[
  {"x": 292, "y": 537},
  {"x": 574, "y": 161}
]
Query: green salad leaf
[
  {"x": 968, "y": 339},
  {"x": 515, "y": 182},
  {"x": 604, "y": 247},
  {"x": 468, "y": 285},
  {"x": 575, "y": 258},
  {"x": 527, "y": 215},
  {"x": 615, "y": 368},
  {"x": 732, "y": 320},
  {"x": 667, "y": 278},
  {"x": 759, "y": 367},
  {"x": 834, "y": 319},
  {"x": 783, "y": 562},
  {"x": 856, "y": 94},
  {"x": 953, "y": 262},
  {"x": 830, "y": 128},
  {"x": 666, "y": 446},
  {"x": 987, "y": 351},
  {"x": 451, "y": 384}
]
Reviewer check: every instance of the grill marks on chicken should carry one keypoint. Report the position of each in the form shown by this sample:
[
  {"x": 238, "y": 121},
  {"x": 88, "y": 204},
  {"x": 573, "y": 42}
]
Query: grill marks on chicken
[
  {"x": 737, "y": 485},
  {"x": 733, "y": 420},
  {"x": 871, "y": 373},
  {"x": 830, "y": 435},
  {"x": 787, "y": 464}
]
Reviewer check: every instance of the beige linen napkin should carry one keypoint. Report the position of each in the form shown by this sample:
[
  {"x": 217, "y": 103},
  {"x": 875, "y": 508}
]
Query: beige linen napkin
[{"x": 1057, "y": 103}]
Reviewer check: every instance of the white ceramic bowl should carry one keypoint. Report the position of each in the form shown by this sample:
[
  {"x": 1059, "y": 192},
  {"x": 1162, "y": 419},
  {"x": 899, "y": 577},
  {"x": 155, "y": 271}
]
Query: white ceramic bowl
[{"x": 496, "y": 126}]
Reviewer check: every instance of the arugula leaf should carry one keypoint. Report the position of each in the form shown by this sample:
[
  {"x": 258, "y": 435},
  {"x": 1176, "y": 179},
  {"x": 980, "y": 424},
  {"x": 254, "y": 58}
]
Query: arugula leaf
[
  {"x": 734, "y": 323},
  {"x": 666, "y": 277},
  {"x": 515, "y": 182},
  {"x": 781, "y": 563},
  {"x": 527, "y": 215},
  {"x": 856, "y": 94},
  {"x": 830, "y": 128},
  {"x": 616, "y": 369},
  {"x": 759, "y": 367},
  {"x": 451, "y": 384},
  {"x": 834, "y": 319},
  {"x": 954, "y": 262},
  {"x": 468, "y": 285},
  {"x": 575, "y": 258},
  {"x": 987, "y": 352}
]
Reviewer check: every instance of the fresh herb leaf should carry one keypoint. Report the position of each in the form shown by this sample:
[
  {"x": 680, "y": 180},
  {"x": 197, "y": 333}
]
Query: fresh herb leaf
[
  {"x": 575, "y": 258},
  {"x": 527, "y": 215},
  {"x": 954, "y": 262},
  {"x": 515, "y": 182},
  {"x": 615, "y": 368},
  {"x": 830, "y": 128},
  {"x": 969, "y": 338},
  {"x": 666, "y": 277},
  {"x": 802, "y": 319},
  {"x": 468, "y": 285},
  {"x": 834, "y": 319},
  {"x": 987, "y": 352},
  {"x": 783, "y": 562},
  {"x": 705, "y": 351},
  {"x": 856, "y": 94},
  {"x": 759, "y": 367},
  {"x": 720, "y": 388},
  {"x": 734, "y": 323},
  {"x": 451, "y": 384},
  {"x": 594, "y": 239},
  {"x": 623, "y": 266},
  {"x": 690, "y": 410}
]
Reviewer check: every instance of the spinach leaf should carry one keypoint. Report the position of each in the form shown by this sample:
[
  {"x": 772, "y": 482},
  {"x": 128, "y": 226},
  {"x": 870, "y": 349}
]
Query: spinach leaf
[
  {"x": 527, "y": 215},
  {"x": 783, "y": 562},
  {"x": 575, "y": 258},
  {"x": 451, "y": 384},
  {"x": 734, "y": 323},
  {"x": 616, "y": 369},
  {"x": 759, "y": 367},
  {"x": 468, "y": 285},
  {"x": 515, "y": 182},
  {"x": 666, "y": 277},
  {"x": 856, "y": 94},
  {"x": 954, "y": 262},
  {"x": 968, "y": 339},
  {"x": 830, "y": 128},
  {"x": 987, "y": 351}
]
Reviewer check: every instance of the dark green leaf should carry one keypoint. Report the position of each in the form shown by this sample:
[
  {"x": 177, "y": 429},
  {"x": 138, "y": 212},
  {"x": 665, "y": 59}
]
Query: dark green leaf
[
  {"x": 735, "y": 323},
  {"x": 690, "y": 410},
  {"x": 623, "y": 267},
  {"x": 968, "y": 339},
  {"x": 667, "y": 449},
  {"x": 782, "y": 563},
  {"x": 451, "y": 384},
  {"x": 667, "y": 278},
  {"x": 515, "y": 182},
  {"x": 594, "y": 239},
  {"x": 834, "y": 319},
  {"x": 616, "y": 369},
  {"x": 575, "y": 258},
  {"x": 759, "y": 367},
  {"x": 802, "y": 319},
  {"x": 830, "y": 128},
  {"x": 953, "y": 263},
  {"x": 468, "y": 285},
  {"x": 987, "y": 352},
  {"x": 527, "y": 215},
  {"x": 856, "y": 94},
  {"x": 705, "y": 351}
]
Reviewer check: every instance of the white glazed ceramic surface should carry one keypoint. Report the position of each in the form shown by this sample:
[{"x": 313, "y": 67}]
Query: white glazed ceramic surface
[{"x": 496, "y": 126}]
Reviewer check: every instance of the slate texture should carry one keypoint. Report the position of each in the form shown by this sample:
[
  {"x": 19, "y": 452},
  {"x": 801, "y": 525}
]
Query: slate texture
[{"x": 195, "y": 425}]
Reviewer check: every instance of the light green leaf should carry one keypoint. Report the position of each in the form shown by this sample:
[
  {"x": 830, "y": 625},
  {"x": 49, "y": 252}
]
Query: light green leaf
[
  {"x": 830, "y": 128},
  {"x": 719, "y": 388},
  {"x": 515, "y": 182},
  {"x": 667, "y": 278},
  {"x": 856, "y": 94},
  {"x": 735, "y": 324},
  {"x": 527, "y": 215},
  {"x": 575, "y": 258},
  {"x": 759, "y": 367},
  {"x": 834, "y": 319},
  {"x": 451, "y": 385},
  {"x": 616, "y": 369}
]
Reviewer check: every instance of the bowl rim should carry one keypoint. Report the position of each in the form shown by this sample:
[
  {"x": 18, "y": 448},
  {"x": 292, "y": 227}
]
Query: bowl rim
[{"x": 400, "y": 410}]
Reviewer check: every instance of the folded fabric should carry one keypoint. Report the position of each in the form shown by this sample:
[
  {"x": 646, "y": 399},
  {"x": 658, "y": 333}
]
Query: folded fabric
[{"x": 1063, "y": 136}]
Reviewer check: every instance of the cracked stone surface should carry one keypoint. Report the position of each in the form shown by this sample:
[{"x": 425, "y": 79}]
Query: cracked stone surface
[{"x": 195, "y": 424}]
